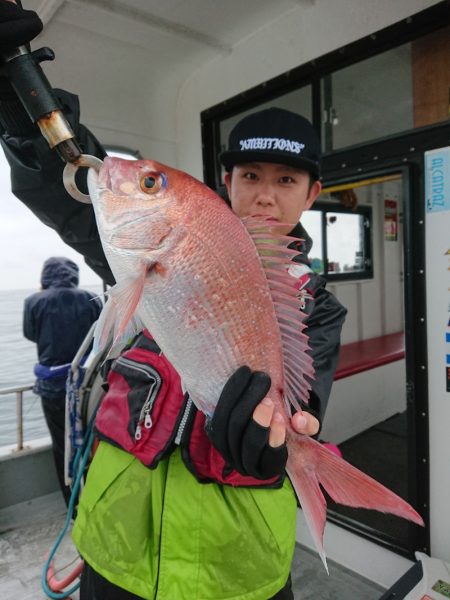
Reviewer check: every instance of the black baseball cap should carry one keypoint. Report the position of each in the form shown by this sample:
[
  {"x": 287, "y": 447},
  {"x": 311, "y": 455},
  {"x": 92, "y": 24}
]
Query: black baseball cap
[{"x": 274, "y": 135}]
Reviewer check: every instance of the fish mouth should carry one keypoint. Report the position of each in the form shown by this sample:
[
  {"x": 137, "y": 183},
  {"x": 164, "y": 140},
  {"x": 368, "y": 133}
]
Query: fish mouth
[
  {"x": 92, "y": 183},
  {"x": 99, "y": 181},
  {"x": 104, "y": 176},
  {"x": 96, "y": 184}
]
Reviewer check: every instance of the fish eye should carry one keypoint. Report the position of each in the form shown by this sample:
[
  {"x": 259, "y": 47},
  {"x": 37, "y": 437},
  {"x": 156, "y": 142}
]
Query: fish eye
[{"x": 152, "y": 182}]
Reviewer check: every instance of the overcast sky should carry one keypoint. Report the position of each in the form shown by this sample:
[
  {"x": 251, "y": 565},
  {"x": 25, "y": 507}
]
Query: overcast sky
[{"x": 25, "y": 243}]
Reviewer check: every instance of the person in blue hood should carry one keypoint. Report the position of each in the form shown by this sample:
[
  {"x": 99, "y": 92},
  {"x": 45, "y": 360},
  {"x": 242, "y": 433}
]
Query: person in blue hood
[{"x": 57, "y": 319}]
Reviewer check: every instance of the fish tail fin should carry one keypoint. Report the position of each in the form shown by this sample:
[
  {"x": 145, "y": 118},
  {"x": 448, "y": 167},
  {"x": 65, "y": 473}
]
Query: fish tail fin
[
  {"x": 311, "y": 465},
  {"x": 312, "y": 501}
]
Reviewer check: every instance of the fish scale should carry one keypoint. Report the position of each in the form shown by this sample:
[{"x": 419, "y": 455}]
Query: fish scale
[{"x": 214, "y": 299}]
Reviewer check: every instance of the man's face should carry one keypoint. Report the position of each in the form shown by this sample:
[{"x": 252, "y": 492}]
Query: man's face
[{"x": 271, "y": 190}]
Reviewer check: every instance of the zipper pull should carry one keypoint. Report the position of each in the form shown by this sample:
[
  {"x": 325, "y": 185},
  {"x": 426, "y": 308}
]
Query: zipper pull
[
  {"x": 138, "y": 433},
  {"x": 148, "y": 421}
]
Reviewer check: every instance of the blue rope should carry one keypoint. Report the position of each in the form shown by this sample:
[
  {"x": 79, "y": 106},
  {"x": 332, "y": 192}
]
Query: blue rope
[{"x": 80, "y": 461}]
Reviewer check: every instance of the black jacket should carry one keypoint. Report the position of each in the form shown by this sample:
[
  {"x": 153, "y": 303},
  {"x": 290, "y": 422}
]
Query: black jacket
[{"x": 36, "y": 175}]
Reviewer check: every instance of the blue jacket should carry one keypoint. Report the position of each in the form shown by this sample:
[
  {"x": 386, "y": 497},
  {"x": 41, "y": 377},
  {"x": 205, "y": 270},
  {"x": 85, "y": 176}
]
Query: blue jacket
[{"x": 58, "y": 317}]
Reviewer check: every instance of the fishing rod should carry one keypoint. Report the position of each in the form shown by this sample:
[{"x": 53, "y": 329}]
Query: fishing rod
[{"x": 37, "y": 96}]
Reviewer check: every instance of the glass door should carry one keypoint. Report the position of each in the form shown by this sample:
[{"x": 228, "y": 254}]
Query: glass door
[{"x": 372, "y": 411}]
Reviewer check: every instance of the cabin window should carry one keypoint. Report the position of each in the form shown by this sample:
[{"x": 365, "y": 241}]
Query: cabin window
[
  {"x": 342, "y": 240},
  {"x": 368, "y": 100},
  {"x": 398, "y": 90}
]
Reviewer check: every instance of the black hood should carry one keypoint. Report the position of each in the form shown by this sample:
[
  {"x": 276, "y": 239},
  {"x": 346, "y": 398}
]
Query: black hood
[{"x": 59, "y": 272}]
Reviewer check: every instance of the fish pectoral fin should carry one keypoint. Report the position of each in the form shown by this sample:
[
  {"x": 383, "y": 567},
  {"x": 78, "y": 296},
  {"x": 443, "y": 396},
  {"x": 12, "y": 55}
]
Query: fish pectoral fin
[
  {"x": 104, "y": 327},
  {"x": 118, "y": 318}
]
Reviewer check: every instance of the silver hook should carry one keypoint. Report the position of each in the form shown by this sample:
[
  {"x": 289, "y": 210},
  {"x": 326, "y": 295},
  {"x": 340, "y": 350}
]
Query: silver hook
[{"x": 85, "y": 160}]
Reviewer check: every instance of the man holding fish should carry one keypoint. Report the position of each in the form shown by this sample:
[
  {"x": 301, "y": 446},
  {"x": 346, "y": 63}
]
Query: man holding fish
[{"x": 182, "y": 503}]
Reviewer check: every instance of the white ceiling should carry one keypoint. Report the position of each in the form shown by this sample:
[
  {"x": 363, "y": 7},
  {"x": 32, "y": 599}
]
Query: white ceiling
[
  {"x": 213, "y": 24},
  {"x": 128, "y": 59}
]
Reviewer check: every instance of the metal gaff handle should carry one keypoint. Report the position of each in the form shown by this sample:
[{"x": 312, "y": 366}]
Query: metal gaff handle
[{"x": 70, "y": 170}]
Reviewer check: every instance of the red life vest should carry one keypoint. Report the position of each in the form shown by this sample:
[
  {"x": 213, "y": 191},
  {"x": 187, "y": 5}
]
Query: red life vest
[{"x": 146, "y": 414}]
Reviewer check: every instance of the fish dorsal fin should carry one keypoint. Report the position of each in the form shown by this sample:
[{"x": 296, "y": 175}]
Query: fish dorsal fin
[
  {"x": 118, "y": 319},
  {"x": 276, "y": 258}
]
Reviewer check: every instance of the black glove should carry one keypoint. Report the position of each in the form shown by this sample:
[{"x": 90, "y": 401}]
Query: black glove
[
  {"x": 17, "y": 26},
  {"x": 240, "y": 440}
]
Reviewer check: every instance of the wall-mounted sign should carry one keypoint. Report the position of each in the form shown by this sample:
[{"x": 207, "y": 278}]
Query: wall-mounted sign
[
  {"x": 437, "y": 179},
  {"x": 390, "y": 220}
]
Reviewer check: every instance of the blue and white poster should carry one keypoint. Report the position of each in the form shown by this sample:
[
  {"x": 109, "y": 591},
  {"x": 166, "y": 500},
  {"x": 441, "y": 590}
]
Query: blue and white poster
[
  {"x": 437, "y": 198},
  {"x": 437, "y": 180}
]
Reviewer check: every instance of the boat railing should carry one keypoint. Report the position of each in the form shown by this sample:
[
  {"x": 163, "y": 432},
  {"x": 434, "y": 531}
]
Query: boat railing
[{"x": 19, "y": 392}]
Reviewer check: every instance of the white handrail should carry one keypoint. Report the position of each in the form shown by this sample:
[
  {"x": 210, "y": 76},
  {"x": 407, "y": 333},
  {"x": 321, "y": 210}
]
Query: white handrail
[{"x": 18, "y": 390}]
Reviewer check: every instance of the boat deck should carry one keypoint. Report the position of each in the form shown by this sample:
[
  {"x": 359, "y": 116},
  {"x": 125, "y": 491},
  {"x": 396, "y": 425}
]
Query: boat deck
[{"x": 29, "y": 529}]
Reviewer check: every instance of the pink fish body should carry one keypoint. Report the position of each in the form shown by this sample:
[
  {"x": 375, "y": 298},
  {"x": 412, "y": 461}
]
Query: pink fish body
[{"x": 216, "y": 294}]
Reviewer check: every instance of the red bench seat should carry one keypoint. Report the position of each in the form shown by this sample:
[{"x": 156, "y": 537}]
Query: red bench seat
[{"x": 368, "y": 354}]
